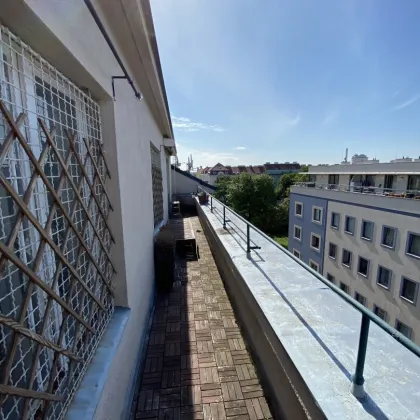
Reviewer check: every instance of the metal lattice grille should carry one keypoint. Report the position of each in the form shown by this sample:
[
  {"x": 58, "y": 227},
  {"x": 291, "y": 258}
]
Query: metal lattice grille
[
  {"x": 56, "y": 295},
  {"x": 157, "y": 185}
]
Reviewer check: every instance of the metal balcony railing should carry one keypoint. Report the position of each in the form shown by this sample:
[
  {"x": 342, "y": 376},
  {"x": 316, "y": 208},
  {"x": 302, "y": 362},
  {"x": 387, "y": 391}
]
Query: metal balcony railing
[
  {"x": 363, "y": 189},
  {"x": 367, "y": 315}
]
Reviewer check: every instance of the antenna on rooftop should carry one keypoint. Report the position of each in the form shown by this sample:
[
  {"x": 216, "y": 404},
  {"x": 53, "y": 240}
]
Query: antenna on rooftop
[{"x": 347, "y": 155}]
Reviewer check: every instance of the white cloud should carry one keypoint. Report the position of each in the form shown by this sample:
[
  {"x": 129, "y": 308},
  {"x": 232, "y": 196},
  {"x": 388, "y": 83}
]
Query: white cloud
[
  {"x": 407, "y": 103},
  {"x": 292, "y": 122},
  {"x": 239, "y": 148},
  {"x": 185, "y": 124},
  {"x": 330, "y": 116}
]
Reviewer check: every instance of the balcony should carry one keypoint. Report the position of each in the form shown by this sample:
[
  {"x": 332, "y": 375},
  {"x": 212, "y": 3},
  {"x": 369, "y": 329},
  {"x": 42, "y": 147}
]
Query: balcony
[{"x": 307, "y": 336}]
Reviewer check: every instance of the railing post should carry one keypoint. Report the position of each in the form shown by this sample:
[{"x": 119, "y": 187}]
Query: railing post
[
  {"x": 224, "y": 216},
  {"x": 248, "y": 240},
  {"x": 358, "y": 379},
  {"x": 211, "y": 203}
]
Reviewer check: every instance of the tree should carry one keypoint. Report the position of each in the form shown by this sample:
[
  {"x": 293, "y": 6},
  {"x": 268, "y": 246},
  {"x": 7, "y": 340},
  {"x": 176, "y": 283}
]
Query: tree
[
  {"x": 286, "y": 181},
  {"x": 304, "y": 168},
  {"x": 222, "y": 183}
]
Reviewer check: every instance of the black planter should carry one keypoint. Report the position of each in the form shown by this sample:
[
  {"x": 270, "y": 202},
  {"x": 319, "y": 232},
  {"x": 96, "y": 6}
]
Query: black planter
[{"x": 164, "y": 267}]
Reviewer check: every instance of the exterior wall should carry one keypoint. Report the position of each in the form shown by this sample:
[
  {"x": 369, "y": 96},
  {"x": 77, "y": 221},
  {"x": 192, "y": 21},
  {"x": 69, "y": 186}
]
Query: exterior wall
[
  {"x": 344, "y": 179},
  {"x": 371, "y": 168},
  {"x": 308, "y": 227},
  {"x": 74, "y": 44},
  {"x": 185, "y": 184},
  {"x": 395, "y": 260}
]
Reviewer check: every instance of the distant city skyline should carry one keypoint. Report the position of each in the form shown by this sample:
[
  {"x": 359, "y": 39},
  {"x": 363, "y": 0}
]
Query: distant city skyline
[{"x": 293, "y": 80}]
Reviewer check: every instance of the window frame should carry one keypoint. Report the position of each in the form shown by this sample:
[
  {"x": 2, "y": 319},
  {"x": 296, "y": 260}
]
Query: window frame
[
  {"x": 409, "y": 234},
  {"x": 361, "y": 230},
  {"x": 301, "y": 204},
  {"x": 294, "y": 231},
  {"x": 397, "y": 321},
  {"x": 395, "y": 236},
  {"x": 322, "y": 213},
  {"x": 351, "y": 258},
  {"x": 336, "y": 250},
  {"x": 347, "y": 288},
  {"x": 381, "y": 267},
  {"x": 416, "y": 291},
  {"x": 332, "y": 218},
  {"x": 330, "y": 278},
  {"x": 296, "y": 251},
  {"x": 311, "y": 261},
  {"x": 319, "y": 238},
  {"x": 345, "y": 225},
  {"x": 367, "y": 269},
  {"x": 364, "y": 300},
  {"x": 375, "y": 310}
]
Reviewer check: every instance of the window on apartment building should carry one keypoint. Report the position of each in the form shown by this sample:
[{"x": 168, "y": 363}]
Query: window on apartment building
[
  {"x": 332, "y": 251},
  {"x": 350, "y": 225},
  {"x": 346, "y": 258},
  {"x": 317, "y": 214},
  {"x": 296, "y": 253},
  {"x": 384, "y": 277},
  {"x": 335, "y": 220},
  {"x": 344, "y": 287},
  {"x": 389, "y": 236},
  {"x": 363, "y": 266},
  {"x": 315, "y": 242},
  {"x": 330, "y": 277},
  {"x": 157, "y": 185},
  {"x": 381, "y": 313},
  {"x": 404, "y": 329},
  {"x": 333, "y": 180},
  {"x": 360, "y": 298},
  {"x": 413, "y": 183},
  {"x": 314, "y": 265},
  {"x": 297, "y": 233},
  {"x": 413, "y": 244},
  {"x": 298, "y": 209},
  {"x": 409, "y": 289},
  {"x": 367, "y": 230},
  {"x": 72, "y": 163}
]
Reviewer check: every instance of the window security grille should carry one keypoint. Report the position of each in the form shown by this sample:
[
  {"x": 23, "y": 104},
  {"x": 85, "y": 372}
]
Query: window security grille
[
  {"x": 56, "y": 295},
  {"x": 157, "y": 185}
]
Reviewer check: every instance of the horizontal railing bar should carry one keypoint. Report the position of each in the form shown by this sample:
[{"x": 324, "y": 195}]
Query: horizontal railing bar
[
  {"x": 407, "y": 343},
  {"x": 28, "y": 393}
]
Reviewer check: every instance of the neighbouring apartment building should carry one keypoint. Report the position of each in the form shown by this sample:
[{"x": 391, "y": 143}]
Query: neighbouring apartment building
[
  {"x": 85, "y": 147},
  {"x": 359, "y": 226},
  {"x": 275, "y": 170}
]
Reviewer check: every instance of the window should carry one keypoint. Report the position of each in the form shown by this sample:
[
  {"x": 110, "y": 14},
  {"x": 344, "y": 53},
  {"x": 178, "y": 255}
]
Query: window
[
  {"x": 360, "y": 298},
  {"x": 313, "y": 265},
  {"x": 367, "y": 230},
  {"x": 332, "y": 251},
  {"x": 404, "y": 329},
  {"x": 384, "y": 277},
  {"x": 297, "y": 233},
  {"x": 381, "y": 313},
  {"x": 330, "y": 277},
  {"x": 346, "y": 258},
  {"x": 409, "y": 290},
  {"x": 157, "y": 185},
  {"x": 389, "y": 236},
  {"x": 344, "y": 287},
  {"x": 413, "y": 245},
  {"x": 333, "y": 180},
  {"x": 335, "y": 220},
  {"x": 298, "y": 209},
  {"x": 363, "y": 266},
  {"x": 413, "y": 183},
  {"x": 350, "y": 225},
  {"x": 296, "y": 253},
  {"x": 315, "y": 242},
  {"x": 317, "y": 214}
]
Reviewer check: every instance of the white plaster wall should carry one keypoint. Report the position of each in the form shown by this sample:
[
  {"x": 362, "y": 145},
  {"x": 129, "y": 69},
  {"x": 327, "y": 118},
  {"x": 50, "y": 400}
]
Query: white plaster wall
[
  {"x": 345, "y": 180},
  {"x": 400, "y": 182},
  {"x": 182, "y": 184},
  {"x": 128, "y": 129},
  {"x": 322, "y": 179},
  {"x": 397, "y": 261}
]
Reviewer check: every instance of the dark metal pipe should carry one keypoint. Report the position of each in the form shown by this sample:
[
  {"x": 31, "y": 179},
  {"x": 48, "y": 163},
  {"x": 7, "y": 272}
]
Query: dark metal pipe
[
  {"x": 358, "y": 379},
  {"x": 101, "y": 27}
]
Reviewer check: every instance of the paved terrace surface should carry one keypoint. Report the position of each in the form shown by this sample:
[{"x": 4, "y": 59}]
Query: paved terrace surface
[
  {"x": 320, "y": 332},
  {"x": 197, "y": 365}
]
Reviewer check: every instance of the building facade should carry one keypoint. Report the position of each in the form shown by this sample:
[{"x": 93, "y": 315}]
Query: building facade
[
  {"x": 370, "y": 235},
  {"x": 86, "y": 143}
]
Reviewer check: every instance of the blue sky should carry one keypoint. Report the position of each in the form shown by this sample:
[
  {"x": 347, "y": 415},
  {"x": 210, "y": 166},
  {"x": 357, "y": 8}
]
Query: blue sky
[{"x": 251, "y": 81}]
